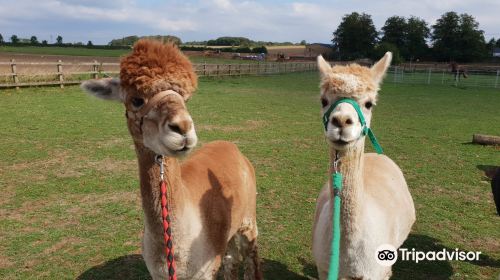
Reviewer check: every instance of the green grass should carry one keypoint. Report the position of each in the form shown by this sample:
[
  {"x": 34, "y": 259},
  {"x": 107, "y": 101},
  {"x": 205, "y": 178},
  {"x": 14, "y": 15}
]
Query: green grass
[
  {"x": 70, "y": 203},
  {"x": 104, "y": 53},
  {"x": 63, "y": 51}
]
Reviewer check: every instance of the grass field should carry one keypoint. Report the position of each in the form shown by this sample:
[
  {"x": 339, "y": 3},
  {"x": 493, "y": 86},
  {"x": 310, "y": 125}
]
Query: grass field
[
  {"x": 63, "y": 51},
  {"x": 488, "y": 79},
  {"x": 96, "y": 53},
  {"x": 70, "y": 205}
]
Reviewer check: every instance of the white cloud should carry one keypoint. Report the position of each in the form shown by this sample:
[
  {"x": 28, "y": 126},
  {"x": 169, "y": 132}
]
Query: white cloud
[
  {"x": 280, "y": 20},
  {"x": 225, "y": 5}
]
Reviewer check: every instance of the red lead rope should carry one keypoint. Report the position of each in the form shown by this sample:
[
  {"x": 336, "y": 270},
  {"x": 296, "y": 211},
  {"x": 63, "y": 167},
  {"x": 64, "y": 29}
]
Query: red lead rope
[{"x": 167, "y": 230}]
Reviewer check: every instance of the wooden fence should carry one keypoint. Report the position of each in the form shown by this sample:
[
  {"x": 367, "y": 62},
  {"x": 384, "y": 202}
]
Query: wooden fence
[{"x": 60, "y": 73}]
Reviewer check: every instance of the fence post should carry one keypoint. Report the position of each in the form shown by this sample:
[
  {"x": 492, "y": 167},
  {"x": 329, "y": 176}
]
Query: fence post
[
  {"x": 95, "y": 69},
  {"x": 496, "y": 81},
  {"x": 456, "y": 78},
  {"x": 204, "y": 69},
  {"x": 13, "y": 67},
  {"x": 217, "y": 70},
  {"x": 395, "y": 73},
  {"x": 60, "y": 73},
  {"x": 229, "y": 70},
  {"x": 429, "y": 76},
  {"x": 442, "y": 78}
]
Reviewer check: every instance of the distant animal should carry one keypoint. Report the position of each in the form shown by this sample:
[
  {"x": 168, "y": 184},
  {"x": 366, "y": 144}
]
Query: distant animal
[
  {"x": 495, "y": 189},
  {"x": 458, "y": 70}
]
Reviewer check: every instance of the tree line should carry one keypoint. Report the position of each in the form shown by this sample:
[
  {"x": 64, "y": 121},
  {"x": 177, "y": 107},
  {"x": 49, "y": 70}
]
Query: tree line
[
  {"x": 453, "y": 37},
  {"x": 127, "y": 42},
  {"x": 33, "y": 41}
]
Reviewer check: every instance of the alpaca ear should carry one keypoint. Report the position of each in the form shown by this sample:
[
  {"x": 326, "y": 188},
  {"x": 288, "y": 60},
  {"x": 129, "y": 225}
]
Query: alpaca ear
[
  {"x": 379, "y": 69},
  {"x": 108, "y": 88},
  {"x": 323, "y": 66}
]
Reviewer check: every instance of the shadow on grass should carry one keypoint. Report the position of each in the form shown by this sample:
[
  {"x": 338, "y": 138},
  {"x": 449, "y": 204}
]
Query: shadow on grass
[
  {"x": 125, "y": 267},
  {"x": 430, "y": 270},
  {"x": 276, "y": 270},
  {"x": 489, "y": 170},
  {"x": 133, "y": 267}
]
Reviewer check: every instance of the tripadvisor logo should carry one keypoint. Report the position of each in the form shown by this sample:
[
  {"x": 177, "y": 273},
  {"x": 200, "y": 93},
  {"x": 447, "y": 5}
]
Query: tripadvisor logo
[{"x": 387, "y": 255}]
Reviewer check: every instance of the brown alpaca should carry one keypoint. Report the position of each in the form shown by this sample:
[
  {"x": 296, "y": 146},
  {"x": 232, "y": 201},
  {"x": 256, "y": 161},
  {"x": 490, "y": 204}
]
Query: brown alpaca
[{"x": 212, "y": 194}]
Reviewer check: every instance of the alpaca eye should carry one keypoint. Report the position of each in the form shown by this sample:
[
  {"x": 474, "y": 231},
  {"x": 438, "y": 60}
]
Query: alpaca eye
[
  {"x": 324, "y": 102},
  {"x": 368, "y": 105},
  {"x": 137, "y": 102}
]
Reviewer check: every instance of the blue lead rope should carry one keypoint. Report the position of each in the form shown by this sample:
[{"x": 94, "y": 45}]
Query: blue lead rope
[{"x": 333, "y": 271}]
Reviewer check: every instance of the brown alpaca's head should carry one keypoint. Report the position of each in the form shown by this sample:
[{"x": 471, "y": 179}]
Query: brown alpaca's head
[
  {"x": 156, "y": 81},
  {"x": 351, "y": 81}
]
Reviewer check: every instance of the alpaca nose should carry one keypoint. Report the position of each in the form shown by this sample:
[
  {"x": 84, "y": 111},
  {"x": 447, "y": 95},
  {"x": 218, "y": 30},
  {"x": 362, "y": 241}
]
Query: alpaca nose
[
  {"x": 182, "y": 127},
  {"x": 341, "y": 121}
]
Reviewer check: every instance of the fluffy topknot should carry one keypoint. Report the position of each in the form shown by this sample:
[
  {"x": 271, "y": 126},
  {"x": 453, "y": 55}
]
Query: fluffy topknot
[
  {"x": 153, "y": 67},
  {"x": 349, "y": 80}
]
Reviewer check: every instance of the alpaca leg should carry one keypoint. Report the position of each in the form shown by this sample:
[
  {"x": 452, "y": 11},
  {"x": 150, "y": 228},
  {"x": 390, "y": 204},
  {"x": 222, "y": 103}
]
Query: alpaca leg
[
  {"x": 250, "y": 255},
  {"x": 322, "y": 275},
  {"x": 230, "y": 263}
]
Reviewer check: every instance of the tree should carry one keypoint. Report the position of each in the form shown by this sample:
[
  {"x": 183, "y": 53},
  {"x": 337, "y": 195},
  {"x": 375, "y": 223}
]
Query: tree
[
  {"x": 1, "y": 39},
  {"x": 230, "y": 41},
  {"x": 409, "y": 36},
  {"x": 384, "y": 47},
  {"x": 417, "y": 33},
  {"x": 89, "y": 44},
  {"x": 445, "y": 37},
  {"x": 498, "y": 43},
  {"x": 34, "y": 40},
  {"x": 355, "y": 37},
  {"x": 458, "y": 38},
  {"x": 14, "y": 39},
  {"x": 125, "y": 41},
  {"x": 59, "y": 40},
  {"x": 166, "y": 39},
  {"x": 491, "y": 44},
  {"x": 472, "y": 42},
  {"x": 395, "y": 33},
  {"x": 303, "y": 43},
  {"x": 44, "y": 42}
]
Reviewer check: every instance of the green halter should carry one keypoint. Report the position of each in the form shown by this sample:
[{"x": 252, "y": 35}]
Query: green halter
[
  {"x": 365, "y": 130},
  {"x": 336, "y": 181}
]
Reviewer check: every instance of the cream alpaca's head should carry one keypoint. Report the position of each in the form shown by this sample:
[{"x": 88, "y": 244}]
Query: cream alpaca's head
[
  {"x": 155, "y": 83},
  {"x": 353, "y": 81}
]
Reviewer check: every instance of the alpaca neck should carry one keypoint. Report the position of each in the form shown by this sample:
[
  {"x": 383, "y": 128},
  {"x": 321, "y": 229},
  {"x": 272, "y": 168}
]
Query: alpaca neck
[
  {"x": 351, "y": 167},
  {"x": 149, "y": 173}
]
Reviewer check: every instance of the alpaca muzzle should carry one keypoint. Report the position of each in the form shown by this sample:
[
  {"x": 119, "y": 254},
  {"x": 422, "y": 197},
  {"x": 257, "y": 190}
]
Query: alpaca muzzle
[
  {"x": 138, "y": 116},
  {"x": 365, "y": 130}
]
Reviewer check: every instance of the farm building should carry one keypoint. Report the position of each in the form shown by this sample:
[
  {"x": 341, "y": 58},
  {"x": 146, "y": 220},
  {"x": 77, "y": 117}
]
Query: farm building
[
  {"x": 316, "y": 49},
  {"x": 496, "y": 52}
]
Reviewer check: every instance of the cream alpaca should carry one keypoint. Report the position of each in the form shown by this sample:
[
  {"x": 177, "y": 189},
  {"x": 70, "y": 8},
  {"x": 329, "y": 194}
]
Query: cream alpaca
[
  {"x": 212, "y": 194},
  {"x": 377, "y": 207}
]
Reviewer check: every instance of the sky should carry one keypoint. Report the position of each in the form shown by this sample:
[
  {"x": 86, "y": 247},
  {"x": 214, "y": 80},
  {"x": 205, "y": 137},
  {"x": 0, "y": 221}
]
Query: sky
[{"x": 100, "y": 21}]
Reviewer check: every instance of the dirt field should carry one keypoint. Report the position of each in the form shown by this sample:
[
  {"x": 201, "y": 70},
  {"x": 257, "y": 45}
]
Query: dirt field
[
  {"x": 273, "y": 51},
  {"x": 6, "y": 57},
  {"x": 35, "y": 69}
]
